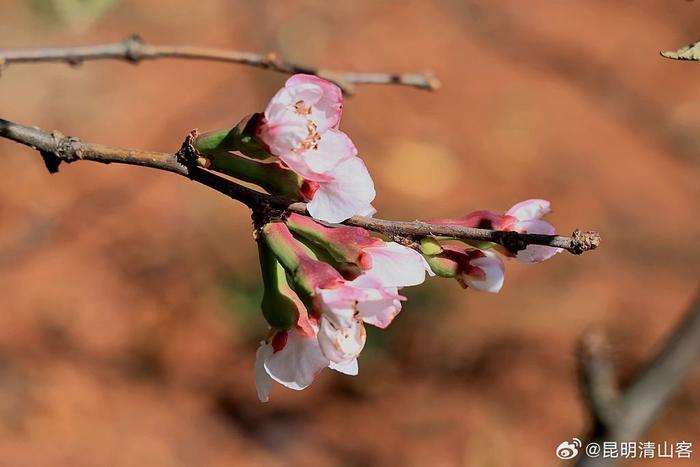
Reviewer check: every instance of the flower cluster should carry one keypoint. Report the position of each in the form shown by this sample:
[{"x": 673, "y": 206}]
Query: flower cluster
[
  {"x": 323, "y": 283},
  {"x": 341, "y": 279}
]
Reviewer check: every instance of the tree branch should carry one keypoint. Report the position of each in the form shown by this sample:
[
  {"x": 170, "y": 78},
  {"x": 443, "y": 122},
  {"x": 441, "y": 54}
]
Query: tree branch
[
  {"x": 55, "y": 148},
  {"x": 133, "y": 49},
  {"x": 624, "y": 415}
]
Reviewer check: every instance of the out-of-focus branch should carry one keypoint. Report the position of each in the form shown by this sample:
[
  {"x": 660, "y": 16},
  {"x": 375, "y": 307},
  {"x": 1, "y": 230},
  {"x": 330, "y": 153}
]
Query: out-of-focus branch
[
  {"x": 623, "y": 415},
  {"x": 133, "y": 49},
  {"x": 516, "y": 42},
  {"x": 597, "y": 377},
  {"x": 56, "y": 148}
]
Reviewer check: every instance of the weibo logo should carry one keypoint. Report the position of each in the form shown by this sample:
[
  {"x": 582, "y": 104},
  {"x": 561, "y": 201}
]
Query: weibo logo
[{"x": 568, "y": 450}]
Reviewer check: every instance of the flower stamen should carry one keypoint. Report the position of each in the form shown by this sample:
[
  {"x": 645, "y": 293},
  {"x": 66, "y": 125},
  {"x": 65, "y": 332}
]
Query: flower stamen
[{"x": 301, "y": 109}]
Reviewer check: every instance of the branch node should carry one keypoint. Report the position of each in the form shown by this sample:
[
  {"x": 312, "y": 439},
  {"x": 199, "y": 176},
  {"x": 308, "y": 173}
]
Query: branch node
[
  {"x": 512, "y": 241},
  {"x": 264, "y": 213},
  {"x": 74, "y": 61},
  {"x": 272, "y": 60},
  {"x": 187, "y": 155},
  {"x": 65, "y": 147},
  {"x": 133, "y": 48},
  {"x": 63, "y": 151}
]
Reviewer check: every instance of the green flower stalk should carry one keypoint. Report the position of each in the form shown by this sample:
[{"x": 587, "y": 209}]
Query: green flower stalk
[
  {"x": 308, "y": 273},
  {"x": 344, "y": 244},
  {"x": 240, "y": 138},
  {"x": 281, "y": 306},
  {"x": 270, "y": 176}
]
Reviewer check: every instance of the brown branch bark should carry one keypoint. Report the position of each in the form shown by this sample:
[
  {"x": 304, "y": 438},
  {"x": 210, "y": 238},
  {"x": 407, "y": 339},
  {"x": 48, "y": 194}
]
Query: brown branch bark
[
  {"x": 134, "y": 50},
  {"x": 56, "y": 148},
  {"x": 624, "y": 414}
]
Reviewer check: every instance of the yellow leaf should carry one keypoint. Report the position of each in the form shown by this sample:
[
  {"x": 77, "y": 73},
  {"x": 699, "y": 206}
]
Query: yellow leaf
[{"x": 689, "y": 52}]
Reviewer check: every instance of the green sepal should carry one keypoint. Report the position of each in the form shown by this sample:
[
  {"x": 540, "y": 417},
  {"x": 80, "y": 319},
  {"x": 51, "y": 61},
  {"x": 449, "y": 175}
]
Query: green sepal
[
  {"x": 280, "y": 305},
  {"x": 349, "y": 271},
  {"x": 240, "y": 138},
  {"x": 344, "y": 244},
  {"x": 430, "y": 246},
  {"x": 479, "y": 244},
  {"x": 270, "y": 176},
  {"x": 307, "y": 272},
  {"x": 443, "y": 267}
]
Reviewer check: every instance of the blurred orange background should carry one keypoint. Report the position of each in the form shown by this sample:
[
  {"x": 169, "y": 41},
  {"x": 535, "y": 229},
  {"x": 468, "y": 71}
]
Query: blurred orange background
[{"x": 129, "y": 297}]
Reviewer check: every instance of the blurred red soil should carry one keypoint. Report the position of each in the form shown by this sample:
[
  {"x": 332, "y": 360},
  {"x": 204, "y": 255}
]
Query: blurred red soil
[{"x": 129, "y": 297}]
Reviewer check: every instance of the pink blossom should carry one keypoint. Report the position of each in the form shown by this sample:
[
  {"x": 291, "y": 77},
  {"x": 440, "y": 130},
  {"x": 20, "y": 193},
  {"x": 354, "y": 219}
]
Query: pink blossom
[
  {"x": 528, "y": 215},
  {"x": 293, "y": 359},
  {"x": 471, "y": 267},
  {"x": 300, "y": 126},
  {"x": 524, "y": 217},
  {"x": 333, "y": 334},
  {"x": 371, "y": 298},
  {"x": 346, "y": 308}
]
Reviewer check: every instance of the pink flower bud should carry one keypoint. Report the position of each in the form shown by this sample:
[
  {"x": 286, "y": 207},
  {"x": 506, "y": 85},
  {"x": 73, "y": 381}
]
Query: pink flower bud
[
  {"x": 524, "y": 217},
  {"x": 482, "y": 270}
]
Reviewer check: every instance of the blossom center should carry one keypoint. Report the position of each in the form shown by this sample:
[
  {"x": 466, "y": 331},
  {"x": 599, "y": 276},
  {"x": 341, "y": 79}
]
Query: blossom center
[
  {"x": 301, "y": 109},
  {"x": 312, "y": 136}
]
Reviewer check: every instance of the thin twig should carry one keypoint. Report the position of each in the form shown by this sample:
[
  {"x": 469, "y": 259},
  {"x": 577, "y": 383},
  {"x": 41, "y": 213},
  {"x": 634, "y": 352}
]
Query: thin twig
[
  {"x": 133, "y": 49},
  {"x": 601, "y": 81},
  {"x": 623, "y": 415},
  {"x": 56, "y": 148}
]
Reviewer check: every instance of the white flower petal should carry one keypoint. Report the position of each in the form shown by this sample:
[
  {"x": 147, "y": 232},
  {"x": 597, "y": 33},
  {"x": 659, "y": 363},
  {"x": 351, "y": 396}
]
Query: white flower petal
[
  {"x": 350, "y": 192},
  {"x": 284, "y": 136},
  {"x": 263, "y": 382},
  {"x": 530, "y": 209},
  {"x": 492, "y": 266},
  {"x": 298, "y": 363},
  {"x": 350, "y": 368},
  {"x": 379, "y": 313},
  {"x": 536, "y": 253},
  {"x": 333, "y": 148},
  {"x": 341, "y": 340},
  {"x": 327, "y": 102},
  {"x": 395, "y": 265}
]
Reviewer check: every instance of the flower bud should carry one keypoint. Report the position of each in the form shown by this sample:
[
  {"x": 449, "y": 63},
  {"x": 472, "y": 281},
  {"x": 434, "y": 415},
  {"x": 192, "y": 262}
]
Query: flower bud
[
  {"x": 442, "y": 266},
  {"x": 482, "y": 270},
  {"x": 309, "y": 274},
  {"x": 344, "y": 244},
  {"x": 241, "y": 138},
  {"x": 281, "y": 306},
  {"x": 271, "y": 176},
  {"x": 430, "y": 246}
]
